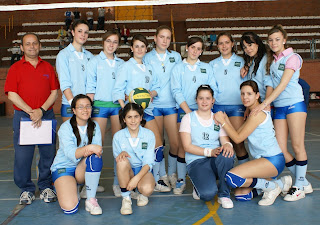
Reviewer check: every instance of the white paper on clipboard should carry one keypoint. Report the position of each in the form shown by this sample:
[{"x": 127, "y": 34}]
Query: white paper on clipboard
[{"x": 33, "y": 136}]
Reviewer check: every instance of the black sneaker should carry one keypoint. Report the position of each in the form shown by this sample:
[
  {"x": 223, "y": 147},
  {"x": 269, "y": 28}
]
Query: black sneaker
[
  {"x": 48, "y": 195},
  {"x": 26, "y": 198}
]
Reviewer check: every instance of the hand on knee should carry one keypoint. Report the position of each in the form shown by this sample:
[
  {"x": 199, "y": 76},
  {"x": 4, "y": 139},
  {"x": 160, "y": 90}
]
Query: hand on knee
[
  {"x": 94, "y": 163},
  {"x": 234, "y": 181},
  {"x": 123, "y": 165}
]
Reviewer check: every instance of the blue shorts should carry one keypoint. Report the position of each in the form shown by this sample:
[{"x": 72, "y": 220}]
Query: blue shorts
[
  {"x": 230, "y": 110},
  {"x": 104, "y": 112},
  {"x": 63, "y": 172},
  {"x": 164, "y": 111},
  {"x": 66, "y": 111},
  {"x": 280, "y": 113},
  {"x": 147, "y": 117},
  {"x": 181, "y": 114},
  {"x": 136, "y": 170},
  {"x": 278, "y": 161}
]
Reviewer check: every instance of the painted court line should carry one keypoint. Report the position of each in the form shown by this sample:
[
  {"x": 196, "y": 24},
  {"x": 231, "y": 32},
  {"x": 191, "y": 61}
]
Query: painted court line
[
  {"x": 212, "y": 213},
  {"x": 318, "y": 135}
]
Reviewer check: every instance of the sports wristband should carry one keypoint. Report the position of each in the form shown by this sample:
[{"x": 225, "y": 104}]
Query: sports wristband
[
  {"x": 228, "y": 142},
  {"x": 264, "y": 103},
  {"x": 207, "y": 152},
  {"x": 223, "y": 125},
  {"x": 43, "y": 111},
  {"x": 70, "y": 101}
]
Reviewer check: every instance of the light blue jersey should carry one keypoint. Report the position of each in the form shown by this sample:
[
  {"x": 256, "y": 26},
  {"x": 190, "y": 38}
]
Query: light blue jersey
[
  {"x": 101, "y": 76},
  {"x": 293, "y": 92},
  {"x": 132, "y": 75},
  {"x": 140, "y": 149},
  {"x": 186, "y": 79},
  {"x": 71, "y": 67},
  {"x": 202, "y": 136},
  {"x": 162, "y": 65},
  {"x": 262, "y": 141},
  {"x": 261, "y": 77},
  {"x": 228, "y": 79},
  {"x": 66, "y": 157}
]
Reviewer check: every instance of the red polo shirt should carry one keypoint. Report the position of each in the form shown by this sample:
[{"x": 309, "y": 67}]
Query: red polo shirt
[{"x": 33, "y": 85}]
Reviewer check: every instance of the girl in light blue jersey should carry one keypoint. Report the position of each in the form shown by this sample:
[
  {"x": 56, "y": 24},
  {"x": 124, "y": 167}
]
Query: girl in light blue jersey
[
  {"x": 226, "y": 70},
  {"x": 78, "y": 159},
  {"x": 133, "y": 149},
  {"x": 268, "y": 159},
  {"x": 101, "y": 75},
  {"x": 186, "y": 77},
  {"x": 209, "y": 154},
  {"x": 162, "y": 61},
  {"x": 71, "y": 65},
  {"x": 134, "y": 74},
  {"x": 290, "y": 110}
]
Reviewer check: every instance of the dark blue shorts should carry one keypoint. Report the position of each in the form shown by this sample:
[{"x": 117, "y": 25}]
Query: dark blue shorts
[
  {"x": 181, "y": 113},
  {"x": 164, "y": 111},
  {"x": 104, "y": 112},
  {"x": 147, "y": 117},
  {"x": 63, "y": 172},
  {"x": 282, "y": 112},
  {"x": 136, "y": 170},
  {"x": 278, "y": 161},
  {"x": 230, "y": 110},
  {"x": 66, "y": 111}
]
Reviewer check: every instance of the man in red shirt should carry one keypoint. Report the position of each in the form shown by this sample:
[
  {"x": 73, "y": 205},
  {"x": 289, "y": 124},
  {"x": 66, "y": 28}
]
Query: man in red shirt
[{"x": 32, "y": 86}]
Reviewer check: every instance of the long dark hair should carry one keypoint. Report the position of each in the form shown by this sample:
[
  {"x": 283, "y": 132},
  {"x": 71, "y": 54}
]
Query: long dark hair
[
  {"x": 91, "y": 125},
  {"x": 138, "y": 37},
  {"x": 195, "y": 39},
  {"x": 253, "y": 85},
  {"x": 251, "y": 37},
  {"x": 130, "y": 106}
]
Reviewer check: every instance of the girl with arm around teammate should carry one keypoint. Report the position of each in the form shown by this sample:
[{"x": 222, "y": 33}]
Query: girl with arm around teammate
[
  {"x": 290, "y": 110},
  {"x": 209, "y": 154},
  {"x": 268, "y": 160},
  {"x": 79, "y": 158},
  {"x": 133, "y": 149}
]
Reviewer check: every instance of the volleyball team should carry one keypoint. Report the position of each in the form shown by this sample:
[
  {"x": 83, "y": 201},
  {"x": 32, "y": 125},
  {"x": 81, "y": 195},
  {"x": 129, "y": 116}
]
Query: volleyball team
[{"x": 206, "y": 110}]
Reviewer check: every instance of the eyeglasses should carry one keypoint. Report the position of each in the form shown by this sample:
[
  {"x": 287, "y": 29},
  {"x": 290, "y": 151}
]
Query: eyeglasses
[{"x": 84, "y": 107}]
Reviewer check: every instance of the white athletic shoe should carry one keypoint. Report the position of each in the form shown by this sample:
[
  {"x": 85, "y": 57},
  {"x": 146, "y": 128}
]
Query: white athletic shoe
[
  {"x": 287, "y": 183},
  {"x": 165, "y": 179},
  {"x": 195, "y": 195},
  {"x": 142, "y": 200},
  {"x": 180, "y": 187},
  {"x": 269, "y": 197},
  {"x": 294, "y": 194},
  {"x": 83, "y": 193},
  {"x": 116, "y": 190},
  {"x": 126, "y": 208},
  {"x": 93, "y": 207},
  {"x": 48, "y": 195},
  {"x": 173, "y": 180},
  {"x": 308, "y": 189},
  {"x": 134, "y": 194},
  {"x": 225, "y": 202},
  {"x": 161, "y": 186}
]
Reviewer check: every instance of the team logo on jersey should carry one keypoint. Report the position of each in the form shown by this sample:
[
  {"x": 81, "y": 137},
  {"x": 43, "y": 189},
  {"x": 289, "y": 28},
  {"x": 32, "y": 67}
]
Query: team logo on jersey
[
  {"x": 83, "y": 68},
  {"x": 61, "y": 170},
  {"x": 281, "y": 67},
  {"x": 203, "y": 70},
  {"x": 237, "y": 64},
  {"x": 69, "y": 111},
  {"x": 181, "y": 115},
  {"x": 147, "y": 79},
  {"x": 96, "y": 111},
  {"x": 216, "y": 127},
  {"x": 194, "y": 79},
  {"x": 172, "y": 59},
  {"x": 144, "y": 145},
  {"x": 113, "y": 75},
  {"x": 205, "y": 136},
  {"x": 46, "y": 76}
]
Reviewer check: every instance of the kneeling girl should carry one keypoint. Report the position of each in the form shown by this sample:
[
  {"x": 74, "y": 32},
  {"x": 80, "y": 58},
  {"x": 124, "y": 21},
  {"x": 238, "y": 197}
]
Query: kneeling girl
[
  {"x": 133, "y": 149},
  {"x": 78, "y": 159}
]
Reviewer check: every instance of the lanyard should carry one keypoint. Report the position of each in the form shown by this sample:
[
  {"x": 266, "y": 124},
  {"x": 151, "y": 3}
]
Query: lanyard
[
  {"x": 134, "y": 143},
  {"x": 141, "y": 67},
  {"x": 111, "y": 64},
  {"x": 80, "y": 56},
  {"x": 84, "y": 131}
]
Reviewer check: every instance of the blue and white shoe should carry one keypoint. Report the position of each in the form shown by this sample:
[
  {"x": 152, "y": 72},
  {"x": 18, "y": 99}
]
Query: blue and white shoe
[{"x": 180, "y": 187}]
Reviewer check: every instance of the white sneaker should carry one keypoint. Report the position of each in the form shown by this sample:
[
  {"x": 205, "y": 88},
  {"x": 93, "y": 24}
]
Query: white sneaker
[
  {"x": 287, "y": 182},
  {"x": 93, "y": 207},
  {"x": 100, "y": 189},
  {"x": 180, "y": 187},
  {"x": 161, "y": 186},
  {"x": 116, "y": 190},
  {"x": 294, "y": 194},
  {"x": 126, "y": 208},
  {"x": 195, "y": 195},
  {"x": 83, "y": 193},
  {"x": 142, "y": 200},
  {"x": 26, "y": 198},
  {"x": 48, "y": 195},
  {"x": 269, "y": 197},
  {"x": 225, "y": 202},
  {"x": 134, "y": 194},
  {"x": 173, "y": 180},
  {"x": 165, "y": 179},
  {"x": 308, "y": 189}
]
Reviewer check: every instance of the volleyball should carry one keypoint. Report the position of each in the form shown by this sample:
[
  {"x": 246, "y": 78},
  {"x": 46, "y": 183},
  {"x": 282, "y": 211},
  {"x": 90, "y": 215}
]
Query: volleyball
[{"x": 140, "y": 96}]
